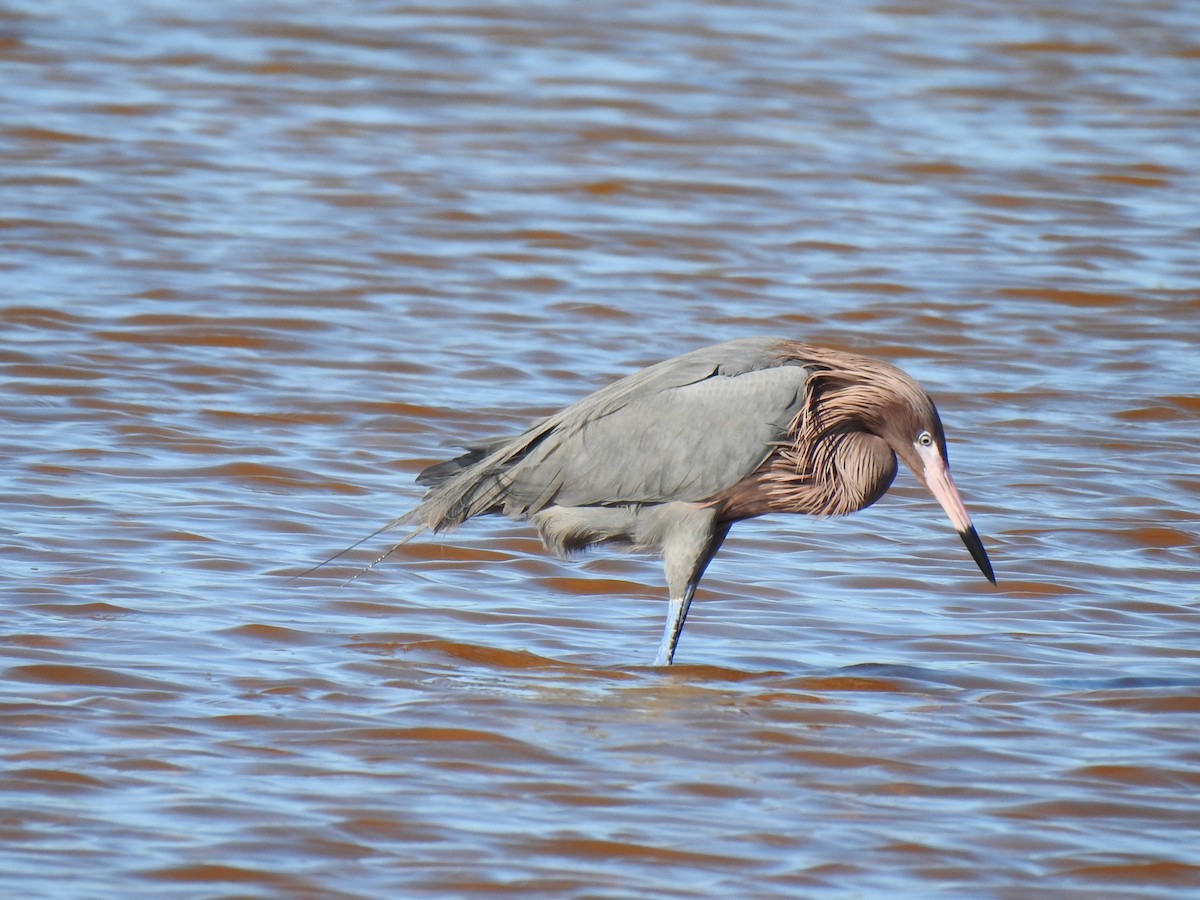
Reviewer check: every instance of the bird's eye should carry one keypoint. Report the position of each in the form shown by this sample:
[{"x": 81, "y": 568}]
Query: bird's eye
[{"x": 925, "y": 439}]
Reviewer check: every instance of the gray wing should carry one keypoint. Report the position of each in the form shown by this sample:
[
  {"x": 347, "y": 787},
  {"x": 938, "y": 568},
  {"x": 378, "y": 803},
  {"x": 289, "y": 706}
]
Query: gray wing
[{"x": 684, "y": 429}]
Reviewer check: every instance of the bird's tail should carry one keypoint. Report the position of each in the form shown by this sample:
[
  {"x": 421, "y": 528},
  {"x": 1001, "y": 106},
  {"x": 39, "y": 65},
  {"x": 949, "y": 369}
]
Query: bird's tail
[
  {"x": 409, "y": 518},
  {"x": 467, "y": 486}
]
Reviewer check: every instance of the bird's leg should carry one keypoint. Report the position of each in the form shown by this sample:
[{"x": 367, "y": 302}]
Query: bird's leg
[
  {"x": 676, "y": 614},
  {"x": 688, "y": 548}
]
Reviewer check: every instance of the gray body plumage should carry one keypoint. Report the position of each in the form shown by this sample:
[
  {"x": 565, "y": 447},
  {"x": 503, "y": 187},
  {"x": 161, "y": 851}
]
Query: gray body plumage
[
  {"x": 683, "y": 429},
  {"x": 666, "y": 459}
]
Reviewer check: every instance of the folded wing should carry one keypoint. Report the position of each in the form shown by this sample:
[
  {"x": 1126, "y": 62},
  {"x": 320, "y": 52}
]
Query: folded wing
[{"x": 685, "y": 429}]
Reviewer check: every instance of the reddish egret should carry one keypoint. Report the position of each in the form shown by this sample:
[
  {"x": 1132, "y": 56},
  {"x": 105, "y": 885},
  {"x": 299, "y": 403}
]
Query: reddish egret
[{"x": 668, "y": 458}]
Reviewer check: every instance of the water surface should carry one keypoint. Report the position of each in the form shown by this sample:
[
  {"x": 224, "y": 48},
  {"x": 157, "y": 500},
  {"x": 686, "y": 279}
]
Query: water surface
[{"x": 259, "y": 263}]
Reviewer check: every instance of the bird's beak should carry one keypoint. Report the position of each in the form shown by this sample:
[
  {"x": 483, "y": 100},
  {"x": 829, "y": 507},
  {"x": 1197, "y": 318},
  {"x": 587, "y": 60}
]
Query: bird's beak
[{"x": 936, "y": 475}]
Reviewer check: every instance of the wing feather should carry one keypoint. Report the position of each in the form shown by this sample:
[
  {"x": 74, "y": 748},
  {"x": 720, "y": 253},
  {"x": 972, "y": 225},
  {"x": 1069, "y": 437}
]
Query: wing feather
[{"x": 684, "y": 429}]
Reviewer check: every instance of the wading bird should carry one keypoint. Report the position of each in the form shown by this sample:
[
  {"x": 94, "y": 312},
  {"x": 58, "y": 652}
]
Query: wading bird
[{"x": 669, "y": 458}]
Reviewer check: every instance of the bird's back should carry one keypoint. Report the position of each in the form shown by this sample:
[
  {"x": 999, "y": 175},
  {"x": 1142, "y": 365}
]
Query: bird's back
[{"x": 684, "y": 429}]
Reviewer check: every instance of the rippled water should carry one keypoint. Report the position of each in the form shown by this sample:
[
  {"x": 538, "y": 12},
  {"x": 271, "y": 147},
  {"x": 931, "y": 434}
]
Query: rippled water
[{"x": 259, "y": 261}]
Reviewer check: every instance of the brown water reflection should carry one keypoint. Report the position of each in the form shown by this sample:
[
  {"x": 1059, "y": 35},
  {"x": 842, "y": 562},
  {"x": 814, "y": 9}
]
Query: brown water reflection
[{"x": 259, "y": 264}]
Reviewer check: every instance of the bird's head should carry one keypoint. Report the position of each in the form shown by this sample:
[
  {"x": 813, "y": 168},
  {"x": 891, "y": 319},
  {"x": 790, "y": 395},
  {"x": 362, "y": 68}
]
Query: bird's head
[
  {"x": 850, "y": 392},
  {"x": 912, "y": 428}
]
